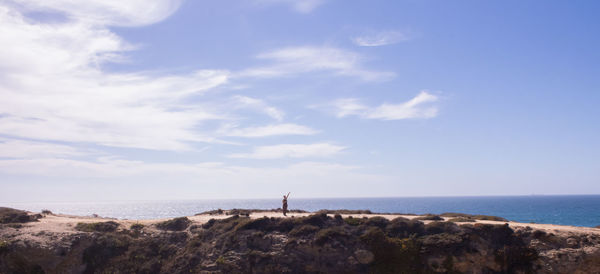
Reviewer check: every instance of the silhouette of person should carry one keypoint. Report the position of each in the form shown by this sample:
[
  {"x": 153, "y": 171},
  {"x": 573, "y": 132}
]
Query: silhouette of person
[{"x": 285, "y": 206}]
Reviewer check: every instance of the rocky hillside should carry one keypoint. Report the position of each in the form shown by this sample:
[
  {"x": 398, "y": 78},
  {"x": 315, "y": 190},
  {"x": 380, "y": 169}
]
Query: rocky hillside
[{"x": 318, "y": 243}]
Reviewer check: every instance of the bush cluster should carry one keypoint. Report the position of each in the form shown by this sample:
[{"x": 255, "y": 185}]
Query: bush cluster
[
  {"x": 474, "y": 217},
  {"x": 429, "y": 218},
  {"x": 10, "y": 215},
  {"x": 109, "y": 226},
  {"x": 177, "y": 224}
]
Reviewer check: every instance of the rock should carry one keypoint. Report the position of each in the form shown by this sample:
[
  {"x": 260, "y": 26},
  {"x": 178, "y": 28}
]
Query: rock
[
  {"x": 364, "y": 256},
  {"x": 572, "y": 242}
]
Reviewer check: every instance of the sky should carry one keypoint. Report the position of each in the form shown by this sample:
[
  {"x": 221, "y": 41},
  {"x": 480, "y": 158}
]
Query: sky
[{"x": 172, "y": 99}]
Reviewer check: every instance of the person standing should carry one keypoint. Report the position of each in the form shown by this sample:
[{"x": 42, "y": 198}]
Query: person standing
[{"x": 285, "y": 206}]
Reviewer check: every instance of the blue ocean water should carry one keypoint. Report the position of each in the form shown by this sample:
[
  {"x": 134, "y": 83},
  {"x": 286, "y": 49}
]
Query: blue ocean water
[{"x": 577, "y": 210}]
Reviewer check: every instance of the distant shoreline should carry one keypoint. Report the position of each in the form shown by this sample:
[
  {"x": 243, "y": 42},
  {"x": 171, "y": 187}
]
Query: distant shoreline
[
  {"x": 299, "y": 198},
  {"x": 563, "y": 210}
]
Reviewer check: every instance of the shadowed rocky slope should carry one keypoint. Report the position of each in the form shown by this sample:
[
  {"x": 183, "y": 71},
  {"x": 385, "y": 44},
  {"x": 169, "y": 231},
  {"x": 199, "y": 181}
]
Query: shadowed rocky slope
[{"x": 314, "y": 244}]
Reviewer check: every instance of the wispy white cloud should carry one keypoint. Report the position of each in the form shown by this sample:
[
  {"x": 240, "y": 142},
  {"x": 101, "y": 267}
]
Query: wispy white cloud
[
  {"x": 268, "y": 130},
  {"x": 348, "y": 106},
  {"x": 107, "y": 12},
  {"x": 301, "y": 6},
  {"x": 258, "y": 105},
  {"x": 417, "y": 107},
  {"x": 291, "y": 151},
  {"x": 28, "y": 149},
  {"x": 380, "y": 39},
  {"x": 53, "y": 88},
  {"x": 297, "y": 60},
  {"x": 414, "y": 108}
]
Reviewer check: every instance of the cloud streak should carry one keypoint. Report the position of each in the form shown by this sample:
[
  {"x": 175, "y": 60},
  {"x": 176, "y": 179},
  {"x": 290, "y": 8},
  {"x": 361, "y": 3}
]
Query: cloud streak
[
  {"x": 258, "y": 105},
  {"x": 291, "y": 151},
  {"x": 268, "y": 130},
  {"x": 380, "y": 39},
  {"x": 300, "y": 60},
  {"x": 301, "y": 6},
  {"x": 418, "y": 107},
  {"x": 28, "y": 149},
  {"x": 107, "y": 12}
]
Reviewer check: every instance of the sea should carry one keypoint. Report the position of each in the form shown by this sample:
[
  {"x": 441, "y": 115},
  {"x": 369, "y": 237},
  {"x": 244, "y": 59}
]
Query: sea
[{"x": 575, "y": 210}]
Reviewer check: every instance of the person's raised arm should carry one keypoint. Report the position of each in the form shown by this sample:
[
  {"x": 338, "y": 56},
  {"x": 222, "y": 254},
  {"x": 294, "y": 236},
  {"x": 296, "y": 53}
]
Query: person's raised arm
[{"x": 288, "y": 195}]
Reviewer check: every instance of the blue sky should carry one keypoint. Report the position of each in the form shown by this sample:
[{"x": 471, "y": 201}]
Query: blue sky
[{"x": 168, "y": 99}]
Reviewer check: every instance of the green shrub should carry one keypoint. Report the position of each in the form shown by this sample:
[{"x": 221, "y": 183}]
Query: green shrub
[
  {"x": 177, "y": 224},
  {"x": 303, "y": 230},
  {"x": 453, "y": 214},
  {"x": 354, "y": 221},
  {"x": 212, "y": 212},
  {"x": 377, "y": 221},
  {"x": 393, "y": 255},
  {"x": 328, "y": 234},
  {"x": 516, "y": 258},
  {"x": 316, "y": 219},
  {"x": 441, "y": 227},
  {"x": 402, "y": 227},
  {"x": 489, "y": 218},
  {"x": 429, "y": 218},
  {"x": 286, "y": 224},
  {"x": 259, "y": 224},
  {"x": 461, "y": 220},
  {"x": 443, "y": 242},
  {"x": 476, "y": 217},
  {"x": 137, "y": 226},
  {"x": 10, "y": 215},
  {"x": 344, "y": 211},
  {"x": 241, "y": 212},
  {"x": 3, "y": 246},
  {"x": 338, "y": 217},
  {"x": 102, "y": 249},
  {"x": 208, "y": 224},
  {"x": 109, "y": 226}
]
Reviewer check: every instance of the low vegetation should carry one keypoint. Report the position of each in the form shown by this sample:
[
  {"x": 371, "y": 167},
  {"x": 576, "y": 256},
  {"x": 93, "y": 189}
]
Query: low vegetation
[
  {"x": 177, "y": 224},
  {"x": 3, "y": 246},
  {"x": 354, "y": 221},
  {"x": 475, "y": 217},
  {"x": 246, "y": 212},
  {"x": 9, "y": 215},
  {"x": 311, "y": 244},
  {"x": 109, "y": 226},
  {"x": 344, "y": 211},
  {"x": 429, "y": 218},
  {"x": 137, "y": 227},
  {"x": 461, "y": 220}
]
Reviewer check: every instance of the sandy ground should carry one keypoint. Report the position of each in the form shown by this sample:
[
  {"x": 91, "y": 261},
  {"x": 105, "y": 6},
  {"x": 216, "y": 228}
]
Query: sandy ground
[{"x": 65, "y": 224}]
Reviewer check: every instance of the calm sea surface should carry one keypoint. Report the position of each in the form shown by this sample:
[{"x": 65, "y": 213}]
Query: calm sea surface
[{"x": 577, "y": 210}]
